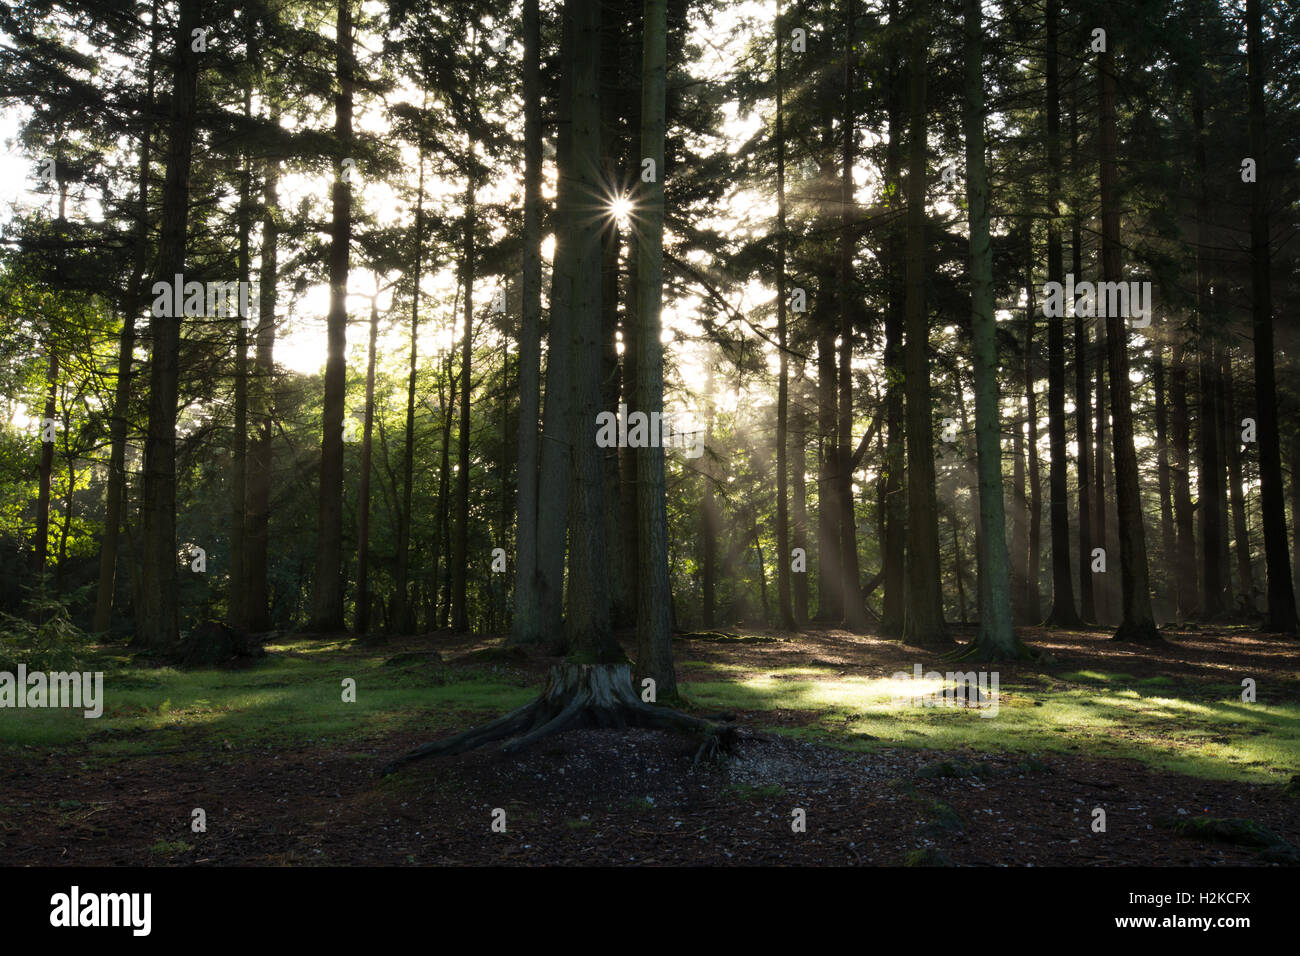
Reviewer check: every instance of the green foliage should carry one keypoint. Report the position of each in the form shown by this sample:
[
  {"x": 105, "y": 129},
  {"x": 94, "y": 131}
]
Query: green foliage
[{"x": 50, "y": 643}]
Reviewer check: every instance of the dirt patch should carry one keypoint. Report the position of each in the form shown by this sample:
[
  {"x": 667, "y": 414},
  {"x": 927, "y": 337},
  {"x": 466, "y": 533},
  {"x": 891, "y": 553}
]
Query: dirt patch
[{"x": 615, "y": 797}]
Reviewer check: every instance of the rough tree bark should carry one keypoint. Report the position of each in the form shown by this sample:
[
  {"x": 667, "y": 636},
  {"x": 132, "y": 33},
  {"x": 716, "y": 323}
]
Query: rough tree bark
[
  {"x": 855, "y": 614},
  {"x": 441, "y": 571},
  {"x": 238, "y": 585},
  {"x": 327, "y": 596},
  {"x": 525, "y": 627},
  {"x": 556, "y": 453},
  {"x": 1137, "y": 622},
  {"x": 894, "y": 547},
  {"x": 460, "y": 542},
  {"x": 157, "y": 624},
  {"x": 1210, "y": 461},
  {"x": 594, "y": 687},
  {"x": 115, "y": 494},
  {"x": 258, "y": 507},
  {"x": 830, "y": 590},
  {"x": 403, "y": 611},
  {"x": 996, "y": 638},
  {"x": 786, "y": 608},
  {"x": 799, "y": 497},
  {"x": 1063, "y": 613},
  {"x": 924, "y": 621},
  {"x": 1185, "y": 597},
  {"x": 1231, "y": 432},
  {"x": 1101, "y": 585},
  {"x": 1082, "y": 391},
  {"x": 1164, "y": 480},
  {"x": 1033, "y": 563},
  {"x": 361, "y": 620},
  {"x": 1281, "y": 596},
  {"x": 654, "y": 600},
  {"x": 45, "y": 468}
]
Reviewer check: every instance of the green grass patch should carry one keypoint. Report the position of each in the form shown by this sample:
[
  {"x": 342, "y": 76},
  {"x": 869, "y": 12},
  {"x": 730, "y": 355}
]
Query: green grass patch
[
  {"x": 290, "y": 697},
  {"x": 1201, "y": 729},
  {"x": 294, "y": 696}
]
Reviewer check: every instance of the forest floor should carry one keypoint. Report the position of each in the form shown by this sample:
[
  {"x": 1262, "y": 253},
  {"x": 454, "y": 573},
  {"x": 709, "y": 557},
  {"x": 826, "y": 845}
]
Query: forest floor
[{"x": 287, "y": 773}]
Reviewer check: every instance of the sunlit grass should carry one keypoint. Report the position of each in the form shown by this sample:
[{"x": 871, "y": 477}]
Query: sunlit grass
[
  {"x": 294, "y": 696},
  {"x": 282, "y": 700},
  {"x": 1216, "y": 737}
]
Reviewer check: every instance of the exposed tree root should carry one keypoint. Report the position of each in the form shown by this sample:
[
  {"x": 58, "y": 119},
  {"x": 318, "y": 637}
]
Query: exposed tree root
[{"x": 579, "y": 695}]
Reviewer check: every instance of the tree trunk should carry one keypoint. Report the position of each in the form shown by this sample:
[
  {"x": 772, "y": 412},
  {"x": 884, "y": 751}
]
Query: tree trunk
[
  {"x": 1137, "y": 622},
  {"x": 588, "y": 630},
  {"x": 894, "y": 546},
  {"x": 115, "y": 495},
  {"x": 996, "y": 636},
  {"x": 710, "y": 520},
  {"x": 327, "y": 602},
  {"x": 1033, "y": 564},
  {"x": 1281, "y": 595},
  {"x": 1082, "y": 392},
  {"x": 1163, "y": 478},
  {"x": 783, "y": 555},
  {"x": 500, "y": 588},
  {"x": 257, "y": 501},
  {"x": 525, "y": 627},
  {"x": 631, "y": 53},
  {"x": 1102, "y": 590},
  {"x": 855, "y": 614},
  {"x": 1295, "y": 508},
  {"x": 116, "y": 491},
  {"x": 45, "y": 470},
  {"x": 362, "y": 618},
  {"x": 799, "y": 501},
  {"x": 404, "y": 611},
  {"x": 1236, "y": 484},
  {"x": 238, "y": 584},
  {"x": 258, "y": 508},
  {"x": 924, "y": 622},
  {"x": 157, "y": 624},
  {"x": 460, "y": 544},
  {"x": 1184, "y": 563},
  {"x": 1210, "y": 462},
  {"x": 1019, "y": 525},
  {"x": 69, "y": 501},
  {"x": 830, "y": 582},
  {"x": 442, "y": 583},
  {"x": 654, "y": 599},
  {"x": 622, "y": 589},
  {"x": 1062, "y": 613},
  {"x": 556, "y": 456}
]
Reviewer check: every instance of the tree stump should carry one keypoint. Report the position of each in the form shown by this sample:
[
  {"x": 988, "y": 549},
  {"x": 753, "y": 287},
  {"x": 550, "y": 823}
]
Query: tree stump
[{"x": 579, "y": 696}]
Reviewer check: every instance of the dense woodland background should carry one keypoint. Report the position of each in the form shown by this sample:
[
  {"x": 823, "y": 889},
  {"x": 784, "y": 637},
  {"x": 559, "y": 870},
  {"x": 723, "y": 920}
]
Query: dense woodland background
[{"x": 849, "y": 222}]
